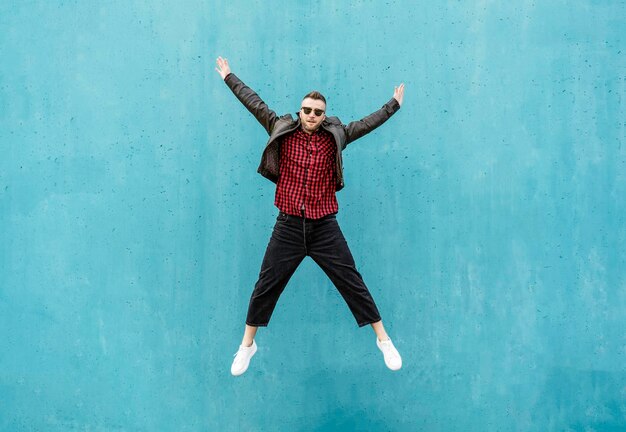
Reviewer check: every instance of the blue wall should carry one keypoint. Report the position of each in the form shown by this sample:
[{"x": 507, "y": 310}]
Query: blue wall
[{"x": 487, "y": 216}]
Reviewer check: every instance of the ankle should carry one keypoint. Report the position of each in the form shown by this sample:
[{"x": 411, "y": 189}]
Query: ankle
[{"x": 246, "y": 343}]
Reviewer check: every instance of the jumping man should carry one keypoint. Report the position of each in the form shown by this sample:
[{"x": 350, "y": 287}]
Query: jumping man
[{"x": 303, "y": 158}]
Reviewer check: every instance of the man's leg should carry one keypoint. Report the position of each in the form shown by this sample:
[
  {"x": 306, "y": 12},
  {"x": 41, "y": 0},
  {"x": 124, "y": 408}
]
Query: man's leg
[
  {"x": 284, "y": 253},
  {"x": 248, "y": 335},
  {"x": 379, "y": 329},
  {"x": 329, "y": 249}
]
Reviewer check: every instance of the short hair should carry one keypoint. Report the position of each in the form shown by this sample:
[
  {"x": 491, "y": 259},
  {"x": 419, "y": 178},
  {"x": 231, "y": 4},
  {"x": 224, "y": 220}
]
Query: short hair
[{"x": 315, "y": 95}]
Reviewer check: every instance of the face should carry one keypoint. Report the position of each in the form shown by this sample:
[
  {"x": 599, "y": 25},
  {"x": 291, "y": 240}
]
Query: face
[{"x": 310, "y": 122}]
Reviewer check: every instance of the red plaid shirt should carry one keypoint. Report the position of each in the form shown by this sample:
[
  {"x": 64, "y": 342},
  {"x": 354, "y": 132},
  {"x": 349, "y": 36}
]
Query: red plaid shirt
[{"x": 307, "y": 174}]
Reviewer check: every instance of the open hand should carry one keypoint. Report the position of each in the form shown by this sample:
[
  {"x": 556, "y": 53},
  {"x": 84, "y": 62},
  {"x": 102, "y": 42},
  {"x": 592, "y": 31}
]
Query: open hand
[
  {"x": 222, "y": 67},
  {"x": 398, "y": 93}
]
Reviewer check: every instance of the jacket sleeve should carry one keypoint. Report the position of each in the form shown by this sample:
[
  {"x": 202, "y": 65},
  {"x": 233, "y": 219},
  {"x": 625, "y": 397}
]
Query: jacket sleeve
[
  {"x": 252, "y": 102},
  {"x": 356, "y": 129}
]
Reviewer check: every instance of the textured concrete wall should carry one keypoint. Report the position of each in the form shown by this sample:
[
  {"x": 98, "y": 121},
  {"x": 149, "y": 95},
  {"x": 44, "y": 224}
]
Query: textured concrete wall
[{"x": 487, "y": 216}]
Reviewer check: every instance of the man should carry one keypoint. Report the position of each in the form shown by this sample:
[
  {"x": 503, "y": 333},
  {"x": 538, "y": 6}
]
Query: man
[{"x": 303, "y": 158}]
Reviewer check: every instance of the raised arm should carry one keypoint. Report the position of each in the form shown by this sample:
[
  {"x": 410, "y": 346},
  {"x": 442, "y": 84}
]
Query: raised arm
[
  {"x": 356, "y": 129},
  {"x": 247, "y": 96}
]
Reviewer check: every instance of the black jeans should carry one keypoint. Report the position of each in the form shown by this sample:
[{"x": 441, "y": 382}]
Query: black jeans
[{"x": 293, "y": 238}]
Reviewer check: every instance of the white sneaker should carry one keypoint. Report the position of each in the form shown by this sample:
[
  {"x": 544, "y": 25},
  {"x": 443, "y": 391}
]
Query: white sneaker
[
  {"x": 242, "y": 358},
  {"x": 392, "y": 356}
]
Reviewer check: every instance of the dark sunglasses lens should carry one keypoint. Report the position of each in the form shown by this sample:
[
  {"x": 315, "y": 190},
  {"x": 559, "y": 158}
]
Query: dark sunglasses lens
[{"x": 318, "y": 112}]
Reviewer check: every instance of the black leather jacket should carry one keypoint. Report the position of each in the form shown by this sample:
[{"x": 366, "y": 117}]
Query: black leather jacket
[{"x": 277, "y": 127}]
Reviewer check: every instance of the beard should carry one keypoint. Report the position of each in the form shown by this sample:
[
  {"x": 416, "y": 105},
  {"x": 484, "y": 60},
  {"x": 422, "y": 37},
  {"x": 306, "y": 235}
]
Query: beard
[{"x": 311, "y": 127}]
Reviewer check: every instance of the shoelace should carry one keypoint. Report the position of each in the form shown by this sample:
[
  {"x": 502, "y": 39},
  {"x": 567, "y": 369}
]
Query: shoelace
[
  {"x": 241, "y": 349},
  {"x": 388, "y": 349}
]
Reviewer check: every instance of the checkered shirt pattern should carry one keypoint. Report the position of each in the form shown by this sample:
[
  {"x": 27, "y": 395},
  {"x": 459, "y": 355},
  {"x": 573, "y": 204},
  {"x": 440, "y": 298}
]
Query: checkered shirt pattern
[{"x": 307, "y": 174}]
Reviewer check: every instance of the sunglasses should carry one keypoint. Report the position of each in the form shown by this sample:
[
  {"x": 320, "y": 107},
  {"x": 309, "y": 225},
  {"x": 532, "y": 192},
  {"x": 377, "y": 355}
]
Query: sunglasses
[{"x": 307, "y": 110}]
